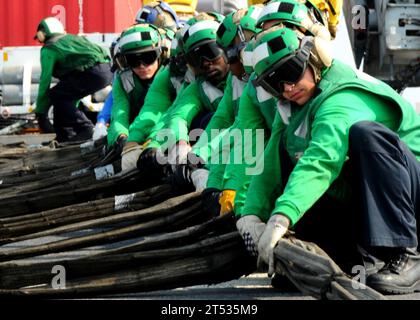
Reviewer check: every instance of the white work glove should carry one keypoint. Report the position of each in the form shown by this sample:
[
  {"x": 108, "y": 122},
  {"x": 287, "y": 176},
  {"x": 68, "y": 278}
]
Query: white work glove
[
  {"x": 251, "y": 228},
  {"x": 276, "y": 228},
  {"x": 178, "y": 154},
  {"x": 199, "y": 179},
  {"x": 99, "y": 131},
  {"x": 130, "y": 155}
]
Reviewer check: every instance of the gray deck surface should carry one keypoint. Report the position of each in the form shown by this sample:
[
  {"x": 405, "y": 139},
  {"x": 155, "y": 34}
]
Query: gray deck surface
[{"x": 254, "y": 287}]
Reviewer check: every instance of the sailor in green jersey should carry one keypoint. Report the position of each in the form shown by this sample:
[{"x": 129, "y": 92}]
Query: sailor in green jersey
[
  {"x": 163, "y": 91},
  {"x": 233, "y": 35},
  {"x": 82, "y": 68},
  {"x": 342, "y": 166},
  {"x": 162, "y": 16},
  {"x": 140, "y": 52},
  {"x": 197, "y": 102},
  {"x": 257, "y": 107}
]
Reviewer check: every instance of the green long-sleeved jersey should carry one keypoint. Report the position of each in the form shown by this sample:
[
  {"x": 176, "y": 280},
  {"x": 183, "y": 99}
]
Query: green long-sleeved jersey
[
  {"x": 161, "y": 95},
  {"x": 215, "y": 144},
  {"x": 256, "y": 113},
  {"x": 62, "y": 55},
  {"x": 315, "y": 137},
  {"x": 199, "y": 96},
  {"x": 129, "y": 93}
]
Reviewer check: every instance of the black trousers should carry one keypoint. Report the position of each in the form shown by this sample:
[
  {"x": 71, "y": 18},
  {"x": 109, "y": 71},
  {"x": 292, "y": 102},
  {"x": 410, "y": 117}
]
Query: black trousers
[
  {"x": 68, "y": 119},
  {"x": 384, "y": 177}
]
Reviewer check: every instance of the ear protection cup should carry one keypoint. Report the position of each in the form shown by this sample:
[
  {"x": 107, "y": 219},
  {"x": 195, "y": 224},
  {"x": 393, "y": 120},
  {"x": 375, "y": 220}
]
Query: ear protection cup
[
  {"x": 320, "y": 52},
  {"x": 165, "y": 45},
  {"x": 320, "y": 57},
  {"x": 318, "y": 30},
  {"x": 322, "y": 49},
  {"x": 123, "y": 61},
  {"x": 41, "y": 36}
]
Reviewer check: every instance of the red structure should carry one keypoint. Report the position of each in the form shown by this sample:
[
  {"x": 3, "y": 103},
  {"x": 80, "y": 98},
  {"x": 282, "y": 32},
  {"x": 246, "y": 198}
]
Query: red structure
[{"x": 19, "y": 18}]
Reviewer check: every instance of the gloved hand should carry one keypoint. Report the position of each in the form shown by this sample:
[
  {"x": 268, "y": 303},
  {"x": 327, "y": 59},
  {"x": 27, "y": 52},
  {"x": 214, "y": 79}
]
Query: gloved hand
[
  {"x": 199, "y": 179},
  {"x": 190, "y": 173},
  {"x": 130, "y": 155},
  {"x": 180, "y": 179},
  {"x": 99, "y": 131},
  {"x": 178, "y": 154},
  {"x": 152, "y": 166},
  {"x": 251, "y": 228},
  {"x": 276, "y": 228},
  {"x": 195, "y": 161},
  {"x": 227, "y": 201},
  {"x": 120, "y": 144},
  {"x": 44, "y": 123},
  {"x": 147, "y": 159},
  {"x": 210, "y": 198}
]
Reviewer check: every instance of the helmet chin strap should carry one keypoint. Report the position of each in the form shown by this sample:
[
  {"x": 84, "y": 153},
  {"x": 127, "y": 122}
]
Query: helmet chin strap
[{"x": 241, "y": 34}]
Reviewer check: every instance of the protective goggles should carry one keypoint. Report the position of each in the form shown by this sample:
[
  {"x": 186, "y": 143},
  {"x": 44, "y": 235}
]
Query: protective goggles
[
  {"x": 146, "y": 58},
  {"x": 209, "y": 51},
  {"x": 289, "y": 70},
  {"x": 233, "y": 52}
]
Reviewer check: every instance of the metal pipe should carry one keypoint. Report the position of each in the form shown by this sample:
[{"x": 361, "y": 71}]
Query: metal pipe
[
  {"x": 13, "y": 94},
  {"x": 13, "y": 128},
  {"x": 14, "y": 74}
]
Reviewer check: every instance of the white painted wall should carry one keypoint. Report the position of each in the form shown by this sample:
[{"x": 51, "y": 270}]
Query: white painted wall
[
  {"x": 412, "y": 94},
  {"x": 341, "y": 45}
]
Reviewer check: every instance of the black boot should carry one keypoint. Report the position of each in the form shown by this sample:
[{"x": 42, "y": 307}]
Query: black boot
[
  {"x": 401, "y": 275},
  {"x": 82, "y": 136},
  {"x": 373, "y": 260}
]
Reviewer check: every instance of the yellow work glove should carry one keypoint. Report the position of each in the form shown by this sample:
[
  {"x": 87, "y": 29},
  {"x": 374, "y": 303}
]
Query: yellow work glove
[
  {"x": 227, "y": 201},
  {"x": 252, "y": 2}
]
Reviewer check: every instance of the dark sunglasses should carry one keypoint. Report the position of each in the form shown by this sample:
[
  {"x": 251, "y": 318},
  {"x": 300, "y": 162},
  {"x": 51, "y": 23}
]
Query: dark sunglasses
[
  {"x": 289, "y": 70},
  {"x": 209, "y": 51},
  {"x": 232, "y": 52},
  {"x": 146, "y": 58}
]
